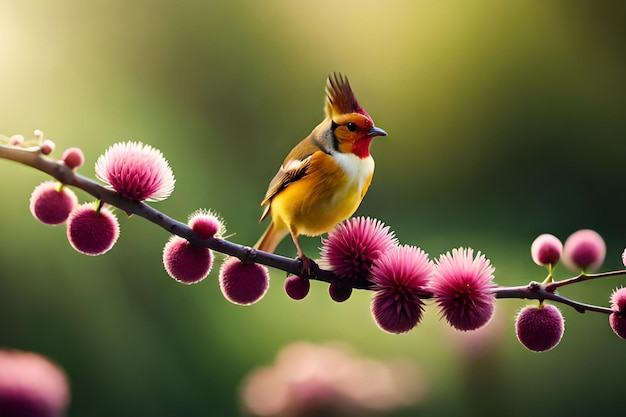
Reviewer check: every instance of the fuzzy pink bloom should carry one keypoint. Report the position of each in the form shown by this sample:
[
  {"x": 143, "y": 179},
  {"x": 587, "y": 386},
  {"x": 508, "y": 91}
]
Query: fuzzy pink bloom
[
  {"x": 546, "y": 249},
  {"x": 32, "y": 386},
  {"x": 353, "y": 245},
  {"x": 584, "y": 250},
  {"x": 617, "y": 320},
  {"x": 73, "y": 157},
  {"x": 206, "y": 224},
  {"x": 241, "y": 283},
  {"x": 92, "y": 232},
  {"x": 398, "y": 277},
  {"x": 539, "y": 328},
  {"x": 338, "y": 293},
  {"x": 50, "y": 203},
  {"x": 186, "y": 263},
  {"x": 297, "y": 287},
  {"x": 462, "y": 287},
  {"x": 137, "y": 171},
  {"x": 624, "y": 257}
]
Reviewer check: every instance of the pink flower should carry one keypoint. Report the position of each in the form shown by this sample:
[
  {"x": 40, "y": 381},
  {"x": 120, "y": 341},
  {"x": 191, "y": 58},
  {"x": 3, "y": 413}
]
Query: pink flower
[
  {"x": 92, "y": 230},
  {"x": 539, "y": 328},
  {"x": 624, "y": 257},
  {"x": 206, "y": 224},
  {"x": 617, "y": 319},
  {"x": 51, "y": 202},
  {"x": 243, "y": 283},
  {"x": 584, "y": 250},
  {"x": 296, "y": 287},
  {"x": 137, "y": 171},
  {"x": 546, "y": 249},
  {"x": 399, "y": 277},
  {"x": 186, "y": 263},
  {"x": 353, "y": 245},
  {"x": 31, "y": 385},
  {"x": 462, "y": 287}
]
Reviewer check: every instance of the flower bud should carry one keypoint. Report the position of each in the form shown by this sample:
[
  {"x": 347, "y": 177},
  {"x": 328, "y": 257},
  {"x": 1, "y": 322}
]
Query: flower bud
[{"x": 539, "y": 328}]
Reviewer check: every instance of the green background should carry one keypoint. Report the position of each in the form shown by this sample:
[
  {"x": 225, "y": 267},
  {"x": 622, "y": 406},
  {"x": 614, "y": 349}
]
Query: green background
[{"x": 505, "y": 120}]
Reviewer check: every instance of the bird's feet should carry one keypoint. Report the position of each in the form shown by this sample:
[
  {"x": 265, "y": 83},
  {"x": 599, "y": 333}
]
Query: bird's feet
[{"x": 307, "y": 264}]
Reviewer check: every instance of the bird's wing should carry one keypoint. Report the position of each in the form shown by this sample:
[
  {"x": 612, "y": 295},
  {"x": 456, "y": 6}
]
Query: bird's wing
[{"x": 293, "y": 168}]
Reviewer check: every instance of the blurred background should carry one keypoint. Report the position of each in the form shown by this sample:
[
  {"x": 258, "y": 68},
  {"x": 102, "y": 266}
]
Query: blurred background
[{"x": 505, "y": 120}]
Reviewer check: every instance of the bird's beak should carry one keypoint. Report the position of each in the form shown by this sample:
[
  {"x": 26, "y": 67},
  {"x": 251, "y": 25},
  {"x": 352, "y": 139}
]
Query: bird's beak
[{"x": 376, "y": 131}]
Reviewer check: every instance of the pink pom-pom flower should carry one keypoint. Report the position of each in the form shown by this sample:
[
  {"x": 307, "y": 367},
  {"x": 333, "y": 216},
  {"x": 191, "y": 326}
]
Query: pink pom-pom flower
[
  {"x": 617, "y": 319},
  {"x": 92, "y": 230},
  {"x": 546, "y": 249},
  {"x": 353, "y": 245},
  {"x": 243, "y": 283},
  {"x": 51, "y": 203},
  {"x": 584, "y": 250},
  {"x": 136, "y": 171},
  {"x": 539, "y": 328},
  {"x": 206, "y": 224},
  {"x": 399, "y": 277},
  {"x": 186, "y": 263},
  {"x": 462, "y": 286},
  {"x": 31, "y": 385}
]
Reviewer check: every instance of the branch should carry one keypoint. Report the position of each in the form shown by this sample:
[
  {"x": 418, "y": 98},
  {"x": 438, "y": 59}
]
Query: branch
[{"x": 32, "y": 157}]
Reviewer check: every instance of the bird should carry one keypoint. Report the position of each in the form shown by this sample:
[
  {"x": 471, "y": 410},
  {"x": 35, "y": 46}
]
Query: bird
[{"x": 324, "y": 178}]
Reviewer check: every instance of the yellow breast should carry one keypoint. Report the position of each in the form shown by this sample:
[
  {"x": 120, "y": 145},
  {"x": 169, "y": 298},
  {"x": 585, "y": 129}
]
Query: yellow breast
[{"x": 329, "y": 193}]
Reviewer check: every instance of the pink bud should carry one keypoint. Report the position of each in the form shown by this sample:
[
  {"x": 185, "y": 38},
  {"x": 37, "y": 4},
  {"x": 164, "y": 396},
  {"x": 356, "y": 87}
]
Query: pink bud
[
  {"x": 539, "y": 328},
  {"x": 206, "y": 224},
  {"x": 186, "y": 263},
  {"x": 90, "y": 231},
  {"x": 546, "y": 249},
  {"x": 73, "y": 157},
  {"x": 296, "y": 287},
  {"x": 47, "y": 147},
  {"x": 243, "y": 283},
  {"x": 584, "y": 250},
  {"x": 51, "y": 205},
  {"x": 339, "y": 294}
]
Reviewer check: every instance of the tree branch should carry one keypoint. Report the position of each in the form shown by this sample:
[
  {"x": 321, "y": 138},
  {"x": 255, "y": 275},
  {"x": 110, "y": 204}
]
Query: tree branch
[{"x": 32, "y": 157}]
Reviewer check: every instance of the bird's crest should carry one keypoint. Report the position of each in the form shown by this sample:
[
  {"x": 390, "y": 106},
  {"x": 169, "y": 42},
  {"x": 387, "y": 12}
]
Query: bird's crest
[{"x": 339, "y": 97}]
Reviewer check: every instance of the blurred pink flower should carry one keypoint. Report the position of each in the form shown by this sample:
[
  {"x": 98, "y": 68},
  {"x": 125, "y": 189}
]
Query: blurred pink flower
[
  {"x": 31, "y": 386},
  {"x": 584, "y": 250},
  {"x": 398, "y": 277},
  {"x": 353, "y": 245},
  {"x": 546, "y": 249},
  {"x": 136, "y": 171},
  {"x": 330, "y": 380},
  {"x": 462, "y": 287}
]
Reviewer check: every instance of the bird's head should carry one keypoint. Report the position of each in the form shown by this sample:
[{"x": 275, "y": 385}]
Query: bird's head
[{"x": 352, "y": 128}]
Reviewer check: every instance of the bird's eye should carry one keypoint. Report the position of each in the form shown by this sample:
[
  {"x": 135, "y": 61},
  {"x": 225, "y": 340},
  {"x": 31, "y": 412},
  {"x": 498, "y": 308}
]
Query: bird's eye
[{"x": 351, "y": 126}]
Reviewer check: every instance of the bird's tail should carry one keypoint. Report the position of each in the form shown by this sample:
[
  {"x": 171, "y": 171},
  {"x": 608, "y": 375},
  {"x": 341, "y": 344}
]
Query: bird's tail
[{"x": 271, "y": 238}]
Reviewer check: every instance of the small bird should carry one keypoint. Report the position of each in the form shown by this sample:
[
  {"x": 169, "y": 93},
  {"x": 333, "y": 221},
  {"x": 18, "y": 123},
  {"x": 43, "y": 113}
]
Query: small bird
[{"x": 323, "y": 179}]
